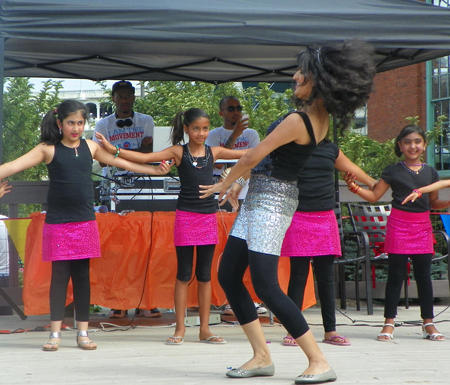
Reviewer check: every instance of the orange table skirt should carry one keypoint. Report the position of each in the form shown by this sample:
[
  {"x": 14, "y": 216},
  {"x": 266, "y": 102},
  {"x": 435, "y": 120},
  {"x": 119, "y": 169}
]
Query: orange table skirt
[{"x": 137, "y": 267}]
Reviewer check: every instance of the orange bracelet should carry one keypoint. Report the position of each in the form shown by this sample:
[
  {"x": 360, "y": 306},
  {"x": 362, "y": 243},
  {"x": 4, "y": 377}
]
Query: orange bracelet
[{"x": 354, "y": 188}]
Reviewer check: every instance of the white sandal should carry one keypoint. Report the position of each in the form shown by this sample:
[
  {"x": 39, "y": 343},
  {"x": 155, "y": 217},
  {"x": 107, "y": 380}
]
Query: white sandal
[
  {"x": 432, "y": 336},
  {"x": 390, "y": 336},
  {"x": 52, "y": 346}
]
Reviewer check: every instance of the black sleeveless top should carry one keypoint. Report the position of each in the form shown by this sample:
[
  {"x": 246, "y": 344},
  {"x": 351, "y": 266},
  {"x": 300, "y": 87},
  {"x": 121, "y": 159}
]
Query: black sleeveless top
[
  {"x": 190, "y": 179},
  {"x": 286, "y": 162},
  {"x": 316, "y": 189},
  {"x": 70, "y": 197}
]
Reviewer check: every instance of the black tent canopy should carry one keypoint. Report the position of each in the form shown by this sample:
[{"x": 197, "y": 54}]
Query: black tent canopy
[{"x": 208, "y": 40}]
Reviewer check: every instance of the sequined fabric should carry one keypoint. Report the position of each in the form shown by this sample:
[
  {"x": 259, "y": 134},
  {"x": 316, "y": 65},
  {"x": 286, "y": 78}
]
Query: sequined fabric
[
  {"x": 312, "y": 234},
  {"x": 266, "y": 213},
  {"x": 69, "y": 241},
  {"x": 408, "y": 233},
  {"x": 194, "y": 229}
]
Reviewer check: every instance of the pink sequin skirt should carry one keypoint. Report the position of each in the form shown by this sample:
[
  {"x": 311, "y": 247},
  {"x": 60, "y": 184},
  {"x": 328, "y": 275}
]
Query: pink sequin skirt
[
  {"x": 70, "y": 241},
  {"x": 408, "y": 233},
  {"x": 195, "y": 229},
  {"x": 312, "y": 234}
]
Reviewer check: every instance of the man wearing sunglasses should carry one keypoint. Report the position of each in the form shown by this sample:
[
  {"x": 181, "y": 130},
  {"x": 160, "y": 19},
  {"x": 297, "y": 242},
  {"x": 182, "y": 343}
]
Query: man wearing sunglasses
[
  {"x": 236, "y": 135},
  {"x": 233, "y": 134},
  {"x": 126, "y": 128}
]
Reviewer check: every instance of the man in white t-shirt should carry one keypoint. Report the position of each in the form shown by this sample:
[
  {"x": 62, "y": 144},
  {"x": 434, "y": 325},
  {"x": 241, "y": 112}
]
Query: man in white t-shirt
[
  {"x": 132, "y": 131},
  {"x": 234, "y": 133},
  {"x": 126, "y": 128}
]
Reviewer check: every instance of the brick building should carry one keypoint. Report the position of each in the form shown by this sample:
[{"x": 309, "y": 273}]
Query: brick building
[
  {"x": 421, "y": 90},
  {"x": 399, "y": 94}
]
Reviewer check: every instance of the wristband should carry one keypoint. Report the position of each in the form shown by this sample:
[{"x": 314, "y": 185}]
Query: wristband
[
  {"x": 241, "y": 181},
  {"x": 418, "y": 193},
  {"x": 117, "y": 153},
  {"x": 225, "y": 173}
]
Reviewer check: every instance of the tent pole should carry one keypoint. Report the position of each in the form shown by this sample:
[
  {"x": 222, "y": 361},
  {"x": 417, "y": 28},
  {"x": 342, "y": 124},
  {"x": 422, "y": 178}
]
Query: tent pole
[
  {"x": 2, "y": 73},
  {"x": 336, "y": 172}
]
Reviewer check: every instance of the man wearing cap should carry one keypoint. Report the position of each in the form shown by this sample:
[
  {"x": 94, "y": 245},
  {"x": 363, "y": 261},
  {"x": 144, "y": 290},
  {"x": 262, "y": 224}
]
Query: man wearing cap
[
  {"x": 126, "y": 128},
  {"x": 132, "y": 131}
]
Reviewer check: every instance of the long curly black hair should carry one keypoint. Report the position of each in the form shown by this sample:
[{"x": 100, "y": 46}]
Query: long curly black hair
[{"x": 343, "y": 77}]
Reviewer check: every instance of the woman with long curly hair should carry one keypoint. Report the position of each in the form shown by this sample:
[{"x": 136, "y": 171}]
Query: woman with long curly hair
[{"x": 329, "y": 81}]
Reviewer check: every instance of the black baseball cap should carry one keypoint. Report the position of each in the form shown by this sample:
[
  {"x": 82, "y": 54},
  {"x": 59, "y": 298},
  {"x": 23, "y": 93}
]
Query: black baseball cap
[{"x": 122, "y": 85}]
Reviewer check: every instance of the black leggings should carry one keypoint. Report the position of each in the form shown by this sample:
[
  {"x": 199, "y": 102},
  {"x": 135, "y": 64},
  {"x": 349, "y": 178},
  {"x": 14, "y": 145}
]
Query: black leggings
[
  {"x": 264, "y": 273},
  {"x": 185, "y": 258},
  {"x": 324, "y": 272},
  {"x": 62, "y": 271},
  {"x": 396, "y": 277}
]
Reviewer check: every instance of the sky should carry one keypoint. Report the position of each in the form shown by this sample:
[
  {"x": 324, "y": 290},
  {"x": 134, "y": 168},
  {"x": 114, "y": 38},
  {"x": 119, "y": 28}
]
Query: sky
[{"x": 73, "y": 84}]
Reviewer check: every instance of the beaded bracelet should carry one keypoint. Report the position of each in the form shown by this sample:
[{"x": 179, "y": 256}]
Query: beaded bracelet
[
  {"x": 117, "y": 153},
  {"x": 418, "y": 193},
  {"x": 241, "y": 181}
]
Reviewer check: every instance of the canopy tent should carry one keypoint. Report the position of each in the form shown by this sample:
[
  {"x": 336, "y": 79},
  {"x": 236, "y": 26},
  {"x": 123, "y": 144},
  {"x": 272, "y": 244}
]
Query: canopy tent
[{"x": 208, "y": 40}]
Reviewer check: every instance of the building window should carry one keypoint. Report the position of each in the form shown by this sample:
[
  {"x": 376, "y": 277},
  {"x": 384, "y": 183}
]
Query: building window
[{"x": 440, "y": 103}]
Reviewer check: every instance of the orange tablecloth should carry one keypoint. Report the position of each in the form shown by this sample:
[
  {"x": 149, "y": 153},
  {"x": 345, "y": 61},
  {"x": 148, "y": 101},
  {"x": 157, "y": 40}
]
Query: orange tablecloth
[{"x": 137, "y": 267}]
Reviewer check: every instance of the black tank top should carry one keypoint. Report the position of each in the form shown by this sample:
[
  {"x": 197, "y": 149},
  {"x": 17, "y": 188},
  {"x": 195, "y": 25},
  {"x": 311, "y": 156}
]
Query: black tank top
[
  {"x": 190, "y": 179},
  {"x": 70, "y": 197},
  {"x": 287, "y": 161}
]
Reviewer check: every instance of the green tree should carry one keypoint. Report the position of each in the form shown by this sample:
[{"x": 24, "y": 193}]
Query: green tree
[
  {"x": 162, "y": 100},
  {"x": 22, "y": 115}
]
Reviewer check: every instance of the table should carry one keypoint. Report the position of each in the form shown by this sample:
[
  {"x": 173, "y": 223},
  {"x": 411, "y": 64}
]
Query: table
[{"x": 137, "y": 267}]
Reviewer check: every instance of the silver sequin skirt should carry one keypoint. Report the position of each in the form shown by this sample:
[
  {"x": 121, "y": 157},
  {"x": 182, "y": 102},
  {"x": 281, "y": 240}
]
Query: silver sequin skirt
[{"x": 266, "y": 213}]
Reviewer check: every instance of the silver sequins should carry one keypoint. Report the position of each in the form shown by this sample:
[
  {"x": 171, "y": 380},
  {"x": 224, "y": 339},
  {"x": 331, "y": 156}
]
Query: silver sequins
[{"x": 266, "y": 213}]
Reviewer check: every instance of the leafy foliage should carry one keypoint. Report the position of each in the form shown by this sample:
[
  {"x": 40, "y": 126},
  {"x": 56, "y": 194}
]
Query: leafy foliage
[
  {"x": 162, "y": 101},
  {"x": 22, "y": 115},
  {"x": 370, "y": 155}
]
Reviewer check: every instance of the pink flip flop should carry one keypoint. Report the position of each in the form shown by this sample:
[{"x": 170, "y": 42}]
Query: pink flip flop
[
  {"x": 289, "y": 341},
  {"x": 339, "y": 343}
]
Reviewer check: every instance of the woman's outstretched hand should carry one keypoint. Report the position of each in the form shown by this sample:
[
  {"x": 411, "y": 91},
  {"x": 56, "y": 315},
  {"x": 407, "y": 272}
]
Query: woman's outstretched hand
[
  {"x": 108, "y": 146},
  {"x": 224, "y": 195},
  {"x": 5, "y": 188}
]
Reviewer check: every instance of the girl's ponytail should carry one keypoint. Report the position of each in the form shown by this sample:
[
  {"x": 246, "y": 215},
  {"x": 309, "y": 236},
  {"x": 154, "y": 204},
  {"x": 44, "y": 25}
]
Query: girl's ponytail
[{"x": 177, "y": 132}]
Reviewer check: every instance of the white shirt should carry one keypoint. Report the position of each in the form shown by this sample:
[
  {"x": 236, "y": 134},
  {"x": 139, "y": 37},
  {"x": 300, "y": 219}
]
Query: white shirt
[
  {"x": 128, "y": 138},
  {"x": 219, "y": 136}
]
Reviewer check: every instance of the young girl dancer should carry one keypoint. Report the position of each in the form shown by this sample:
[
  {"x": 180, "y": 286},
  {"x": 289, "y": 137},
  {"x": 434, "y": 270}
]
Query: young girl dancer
[
  {"x": 408, "y": 231},
  {"x": 330, "y": 80},
  {"x": 314, "y": 234},
  {"x": 195, "y": 162},
  {"x": 70, "y": 234}
]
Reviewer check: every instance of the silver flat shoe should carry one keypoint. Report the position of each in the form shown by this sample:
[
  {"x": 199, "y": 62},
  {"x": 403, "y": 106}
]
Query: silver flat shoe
[
  {"x": 328, "y": 376},
  {"x": 242, "y": 373}
]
